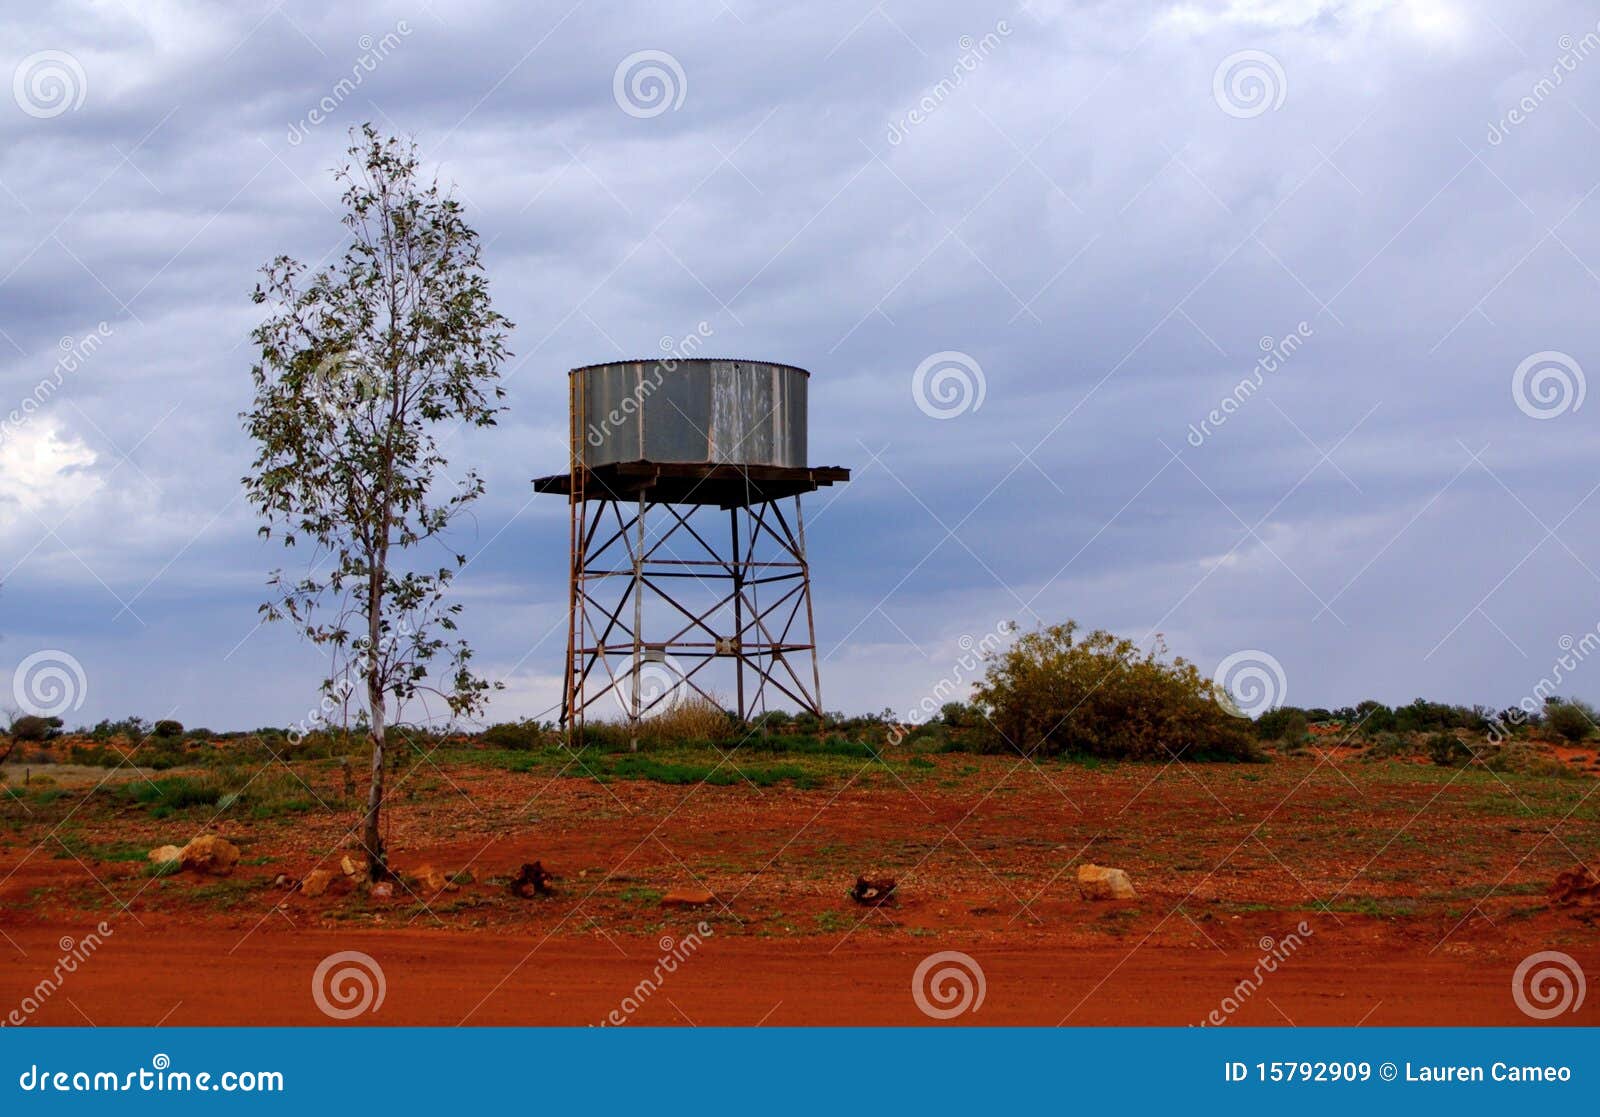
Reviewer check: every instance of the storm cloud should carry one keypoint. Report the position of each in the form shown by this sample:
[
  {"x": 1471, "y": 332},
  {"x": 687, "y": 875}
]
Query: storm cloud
[{"x": 1265, "y": 323}]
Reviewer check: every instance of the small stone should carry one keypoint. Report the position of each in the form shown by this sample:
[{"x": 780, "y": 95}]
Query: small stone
[
  {"x": 1097, "y": 882},
  {"x": 687, "y": 898},
  {"x": 353, "y": 865},
  {"x": 209, "y": 854},
  {"x": 316, "y": 882},
  {"x": 383, "y": 890},
  {"x": 430, "y": 881}
]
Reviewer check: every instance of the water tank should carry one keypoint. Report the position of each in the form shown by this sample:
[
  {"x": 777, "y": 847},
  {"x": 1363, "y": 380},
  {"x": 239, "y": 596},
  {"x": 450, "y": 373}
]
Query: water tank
[{"x": 691, "y": 410}]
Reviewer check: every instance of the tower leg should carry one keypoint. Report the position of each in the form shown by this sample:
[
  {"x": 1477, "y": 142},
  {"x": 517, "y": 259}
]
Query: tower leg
[
  {"x": 811, "y": 624},
  {"x": 738, "y": 610}
]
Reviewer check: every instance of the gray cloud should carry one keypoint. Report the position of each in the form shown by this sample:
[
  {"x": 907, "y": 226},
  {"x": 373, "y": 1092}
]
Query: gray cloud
[{"x": 1078, "y": 213}]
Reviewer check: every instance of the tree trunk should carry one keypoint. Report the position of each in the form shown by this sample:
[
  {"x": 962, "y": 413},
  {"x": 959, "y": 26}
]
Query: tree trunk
[
  {"x": 377, "y": 862},
  {"x": 377, "y": 858}
]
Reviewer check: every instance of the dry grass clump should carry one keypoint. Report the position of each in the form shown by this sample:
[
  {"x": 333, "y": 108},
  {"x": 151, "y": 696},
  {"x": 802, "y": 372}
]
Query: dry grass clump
[{"x": 694, "y": 719}]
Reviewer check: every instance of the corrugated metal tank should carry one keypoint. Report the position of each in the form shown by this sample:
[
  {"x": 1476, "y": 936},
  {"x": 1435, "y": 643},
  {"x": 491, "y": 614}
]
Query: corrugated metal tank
[{"x": 691, "y": 410}]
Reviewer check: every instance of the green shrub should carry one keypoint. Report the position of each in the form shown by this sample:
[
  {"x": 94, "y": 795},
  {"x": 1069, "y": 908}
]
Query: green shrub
[
  {"x": 1527, "y": 760},
  {"x": 809, "y": 746},
  {"x": 1372, "y": 716},
  {"x": 1572, "y": 719},
  {"x": 1448, "y": 751},
  {"x": 172, "y": 792},
  {"x": 1422, "y": 716},
  {"x": 95, "y": 756},
  {"x": 1053, "y": 693},
  {"x": 31, "y": 727},
  {"x": 132, "y": 729},
  {"x": 515, "y": 735},
  {"x": 166, "y": 728},
  {"x": 1286, "y": 723},
  {"x": 1388, "y": 746}
]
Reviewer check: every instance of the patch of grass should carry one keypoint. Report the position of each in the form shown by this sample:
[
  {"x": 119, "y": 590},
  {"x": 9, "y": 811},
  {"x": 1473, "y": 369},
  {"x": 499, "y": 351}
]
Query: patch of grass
[
  {"x": 76, "y": 845},
  {"x": 1367, "y": 905},
  {"x": 639, "y": 766},
  {"x": 225, "y": 893},
  {"x": 276, "y": 808},
  {"x": 650, "y": 897},
  {"x": 833, "y": 921},
  {"x": 175, "y": 793},
  {"x": 803, "y": 745},
  {"x": 237, "y": 791}
]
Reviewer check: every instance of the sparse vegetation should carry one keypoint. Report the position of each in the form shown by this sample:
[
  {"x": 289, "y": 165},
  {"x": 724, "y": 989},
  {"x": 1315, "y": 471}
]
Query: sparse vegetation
[
  {"x": 31, "y": 727},
  {"x": 1447, "y": 750},
  {"x": 1054, "y": 692},
  {"x": 1571, "y": 718}
]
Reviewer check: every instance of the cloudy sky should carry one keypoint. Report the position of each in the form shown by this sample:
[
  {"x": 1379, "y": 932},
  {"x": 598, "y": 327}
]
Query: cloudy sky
[{"x": 1103, "y": 216}]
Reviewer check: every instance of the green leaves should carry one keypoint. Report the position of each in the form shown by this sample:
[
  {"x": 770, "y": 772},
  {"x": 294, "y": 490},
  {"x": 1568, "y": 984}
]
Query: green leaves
[
  {"x": 1056, "y": 692},
  {"x": 362, "y": 368}
]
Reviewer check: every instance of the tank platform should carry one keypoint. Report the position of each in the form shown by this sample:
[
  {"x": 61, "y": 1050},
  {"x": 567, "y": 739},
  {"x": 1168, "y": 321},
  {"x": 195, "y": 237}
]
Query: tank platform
[{"x": 724, "y": 484}]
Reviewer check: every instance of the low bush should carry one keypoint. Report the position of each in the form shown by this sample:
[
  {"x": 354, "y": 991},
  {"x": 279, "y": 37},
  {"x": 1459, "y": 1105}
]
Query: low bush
[
  {"x": 31, "y": 727},
  {"x": 515, "y": 735},
  {"x": 1522, "y": 759},
  {"x": 1448, "y": 751},
  {"x": 1570, "y": 718},
  {"x": 1055, "y": 693},
  {"x": 175, "y": 793},
  {"x": 131, "y": 729},
  {"x": 1286, "y": 723},
  {"x": 1389, "y": 746}
]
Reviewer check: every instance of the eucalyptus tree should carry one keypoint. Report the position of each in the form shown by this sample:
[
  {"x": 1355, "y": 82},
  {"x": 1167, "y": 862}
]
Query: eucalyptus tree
[{"x": 363, "y": 369}]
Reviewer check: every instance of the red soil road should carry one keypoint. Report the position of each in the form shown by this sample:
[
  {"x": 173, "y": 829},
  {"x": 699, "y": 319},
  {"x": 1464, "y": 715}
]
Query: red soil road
[
  {"x": 1436, "y": 883},
  {"x": 178, "y": 976}
]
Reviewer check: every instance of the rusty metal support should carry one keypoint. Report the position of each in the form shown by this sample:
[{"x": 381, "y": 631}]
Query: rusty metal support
[{"x": 703, "y": 602}]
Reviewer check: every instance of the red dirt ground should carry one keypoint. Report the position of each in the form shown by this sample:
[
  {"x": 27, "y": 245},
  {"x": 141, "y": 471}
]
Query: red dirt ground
[{"x": 1422, "y": 890}]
